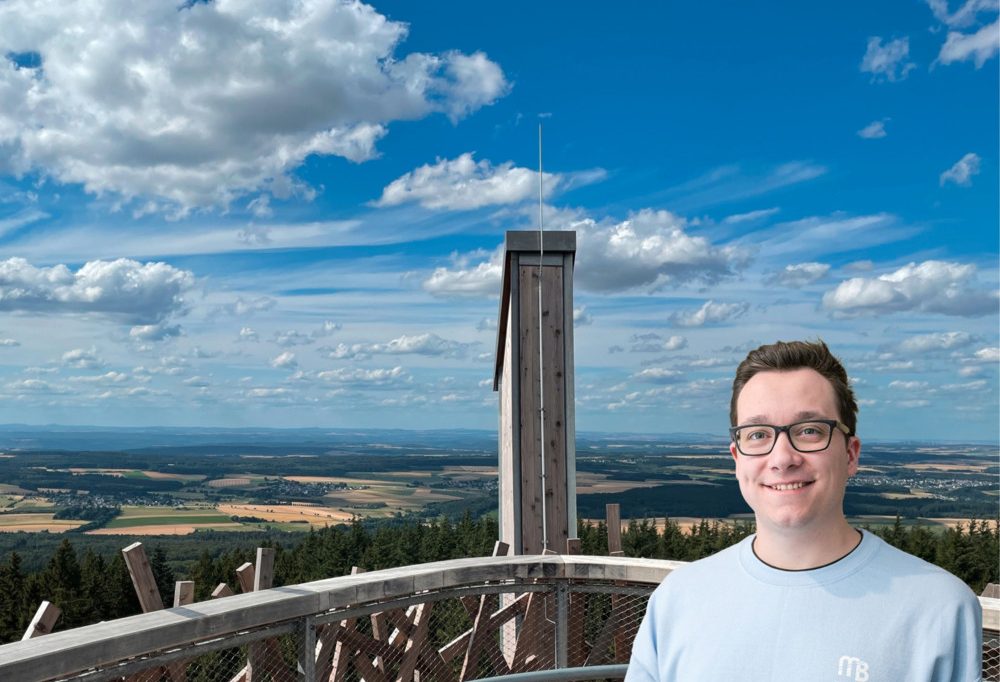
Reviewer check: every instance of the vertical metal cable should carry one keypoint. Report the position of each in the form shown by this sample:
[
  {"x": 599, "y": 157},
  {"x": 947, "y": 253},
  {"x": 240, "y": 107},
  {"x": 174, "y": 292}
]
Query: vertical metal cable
[{"x": 541, "y": 359}]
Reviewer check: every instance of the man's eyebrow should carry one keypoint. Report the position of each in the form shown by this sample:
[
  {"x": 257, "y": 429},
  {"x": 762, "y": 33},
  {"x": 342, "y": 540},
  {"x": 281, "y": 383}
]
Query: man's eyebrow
[
  {"x": 809, "y": 414},
  {"x": 804, "y": 415}
]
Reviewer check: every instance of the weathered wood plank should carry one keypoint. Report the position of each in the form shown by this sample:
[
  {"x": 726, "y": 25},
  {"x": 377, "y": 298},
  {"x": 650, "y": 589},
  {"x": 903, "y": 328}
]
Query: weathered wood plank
[
  {"x": 421, "y": 619},
  {"x": 530, "y": 465},
  {"x": 553, "y": 350},
  {"x": 43, "y": 621},
  {"x": 613, "y": 515},
  {"x": 222, "y": 590},
  {"x": 263, "y": 576},
  {"x": 142, "y": 577},
  {"x": 245, "y": 576},
  {"x": 183, "y": 592}
]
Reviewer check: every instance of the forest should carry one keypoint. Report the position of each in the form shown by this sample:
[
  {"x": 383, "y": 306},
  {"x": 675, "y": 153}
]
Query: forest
[{"x": 94, "y": 585}]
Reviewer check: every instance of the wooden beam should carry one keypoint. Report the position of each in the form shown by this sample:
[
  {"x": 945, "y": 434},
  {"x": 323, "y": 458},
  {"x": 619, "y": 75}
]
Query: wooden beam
[
  {"x": 183, "y": 592},
  {"x": 222, "y": 590},
  {"x": 142, "y": 577},
  {"x": 421, "y": 620},
  {"x": 614, "y": 523},
  {"x": 263, "y": 576},
  {"x": 340, "y": 653},
  {"x": 44, "y": 620},
  {"x": 245, "y": 576}
]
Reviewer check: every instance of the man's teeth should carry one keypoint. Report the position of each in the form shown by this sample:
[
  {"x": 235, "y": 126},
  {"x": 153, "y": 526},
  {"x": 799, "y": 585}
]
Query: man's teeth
[{"x": 788, "y": 486}]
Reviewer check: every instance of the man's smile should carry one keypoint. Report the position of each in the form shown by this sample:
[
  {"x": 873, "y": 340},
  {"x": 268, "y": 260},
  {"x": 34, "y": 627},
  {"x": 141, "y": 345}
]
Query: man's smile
[{"x": 782, "y": 487}]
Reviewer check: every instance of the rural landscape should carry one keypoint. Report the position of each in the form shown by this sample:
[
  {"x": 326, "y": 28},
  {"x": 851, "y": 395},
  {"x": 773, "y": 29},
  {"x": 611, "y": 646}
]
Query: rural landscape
[
  {"x": 232, "y": 482},
  {"x": 202, "y": 500}
]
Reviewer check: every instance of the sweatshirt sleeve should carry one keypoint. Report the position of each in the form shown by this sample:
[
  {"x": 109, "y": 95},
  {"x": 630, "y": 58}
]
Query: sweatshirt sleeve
[{"x": 967, "y": 642}]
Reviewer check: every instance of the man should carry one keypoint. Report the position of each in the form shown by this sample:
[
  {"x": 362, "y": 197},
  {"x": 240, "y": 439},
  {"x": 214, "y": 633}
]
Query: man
[{"x": 807, "y": 597}]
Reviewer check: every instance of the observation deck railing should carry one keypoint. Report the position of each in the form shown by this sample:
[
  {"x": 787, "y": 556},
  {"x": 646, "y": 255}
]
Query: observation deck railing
[{"x": 565, "y": 617}]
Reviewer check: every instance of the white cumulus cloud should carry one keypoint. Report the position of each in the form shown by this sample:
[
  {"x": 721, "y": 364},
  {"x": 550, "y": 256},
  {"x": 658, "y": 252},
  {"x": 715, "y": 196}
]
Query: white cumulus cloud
[
  {"x": 648, "y": 249},
  {"x": 926, "y": 343},
  {"x": 189, "y": 105},
  {"x": 979, "y": 46},
  {"x": 710, "y": 312},
  {"x": 933, "y": 286},
  {"x": 285, "y": 360},
  {"x": 80, "y": 358},
  {"x": 366, "y": 377},
  {"x": 154, "y": 332},
  {"x": 874, "y": 130},
  {"x": 800, "y": 275},
  {"x": 965, "y": 15},
  {"x": 137, "y": 292},
  {"x": 887, "y": 62},
  {"x": 658, "y": 375},
  {"x": 465, "y": 279},
  {"x": 963, "y": 170},
  {"x": 464, "y": 184}
]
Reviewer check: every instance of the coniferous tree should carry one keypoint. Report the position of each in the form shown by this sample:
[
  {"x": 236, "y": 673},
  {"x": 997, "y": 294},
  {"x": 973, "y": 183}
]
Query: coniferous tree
[
  {"x": 12, "y": 599},
  {"x": 60, "y": 584},
  {"x": 163, "y": 574}
]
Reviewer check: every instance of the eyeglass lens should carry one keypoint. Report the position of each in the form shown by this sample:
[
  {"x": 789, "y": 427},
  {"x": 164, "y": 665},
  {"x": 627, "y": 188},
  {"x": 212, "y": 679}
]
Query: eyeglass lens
[{"x": 805, "y": 437}]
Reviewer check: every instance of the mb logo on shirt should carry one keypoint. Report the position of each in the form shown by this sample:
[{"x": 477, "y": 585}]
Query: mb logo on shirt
[{"x": 853, "y": 667}]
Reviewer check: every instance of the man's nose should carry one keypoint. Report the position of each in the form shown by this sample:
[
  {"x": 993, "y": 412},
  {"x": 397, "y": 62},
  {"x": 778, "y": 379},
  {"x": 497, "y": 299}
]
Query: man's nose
[{"x": 783, "y": 455}]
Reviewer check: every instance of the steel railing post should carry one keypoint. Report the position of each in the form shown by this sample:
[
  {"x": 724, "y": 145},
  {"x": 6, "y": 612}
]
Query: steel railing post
[{"x": 562, "y": 625}]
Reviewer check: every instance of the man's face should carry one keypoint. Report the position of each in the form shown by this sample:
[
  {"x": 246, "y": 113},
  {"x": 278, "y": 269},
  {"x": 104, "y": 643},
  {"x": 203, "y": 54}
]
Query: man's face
[{"x": 781, "y": 398}]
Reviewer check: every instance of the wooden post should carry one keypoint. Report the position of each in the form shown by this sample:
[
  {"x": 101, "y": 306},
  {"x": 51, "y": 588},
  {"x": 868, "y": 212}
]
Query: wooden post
[
  {"x": 44, "y": 620},
  {"x": 142, "y": 578},
  {"x": 245, "y": 576},
  {"x": 263, "y": 576},
  {"x": 614, "y": 522},
  {"x": 222, "y": 590},
  {"x": 183, "y": 592},
  {"x": 530, "y": 263},
  {"x": 150, "y": 600}
]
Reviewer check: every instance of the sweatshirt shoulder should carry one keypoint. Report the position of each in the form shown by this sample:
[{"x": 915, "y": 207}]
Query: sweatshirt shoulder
[
  {"x": 933, "y": 581},
  {"x": 722, "y": 563}
]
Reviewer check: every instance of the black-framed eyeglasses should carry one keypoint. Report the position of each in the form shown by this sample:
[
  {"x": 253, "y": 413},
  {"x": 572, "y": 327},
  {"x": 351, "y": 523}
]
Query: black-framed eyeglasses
[{"x": 814, "y": 435}]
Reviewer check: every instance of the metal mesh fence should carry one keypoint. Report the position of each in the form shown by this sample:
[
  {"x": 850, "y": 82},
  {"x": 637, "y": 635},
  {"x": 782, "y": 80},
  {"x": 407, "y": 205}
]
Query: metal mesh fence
[
  {"x": 991, "y": 656},
  {"x": 453, "y": 635}
]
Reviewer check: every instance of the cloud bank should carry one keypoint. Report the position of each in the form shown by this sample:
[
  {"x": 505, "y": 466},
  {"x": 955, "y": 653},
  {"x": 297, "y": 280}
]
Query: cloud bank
[{"x": 190, "y": 105}]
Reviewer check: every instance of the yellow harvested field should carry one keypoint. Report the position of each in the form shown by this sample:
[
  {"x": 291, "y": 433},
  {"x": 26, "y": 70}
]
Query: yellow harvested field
[
  {"x": 228, "y": 482},
  {"x": 473, "y": 469},
  {"x": 172, "y": 529},
  {"x": 588, "y": 483},
  {"x": 914, "y": 493},
  {"x": 36, "y": 523},
  {"x": 160, "y": 475},
  {"x": 396, "y": 497},
  {"x": 285, "y": 513},
  {"x": 947, "y": 467},
  {"x": 333, "y": 479}
]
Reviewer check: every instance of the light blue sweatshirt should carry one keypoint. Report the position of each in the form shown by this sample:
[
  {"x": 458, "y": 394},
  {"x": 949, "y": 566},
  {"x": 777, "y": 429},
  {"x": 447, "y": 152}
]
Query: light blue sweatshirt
[{"x": 876, "y": 615}]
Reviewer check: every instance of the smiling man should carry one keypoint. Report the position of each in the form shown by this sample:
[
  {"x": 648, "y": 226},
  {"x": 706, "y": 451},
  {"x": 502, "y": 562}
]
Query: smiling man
[{"x": 808, "y": 597}]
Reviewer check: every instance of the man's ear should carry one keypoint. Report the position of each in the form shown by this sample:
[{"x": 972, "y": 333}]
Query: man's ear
[
  {"x": 732, "y": 450},
  {"x": 853, "y": 454}
]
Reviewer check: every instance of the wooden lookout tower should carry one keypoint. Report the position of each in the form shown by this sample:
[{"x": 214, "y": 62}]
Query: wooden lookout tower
[{"x": 537, "y": 457}]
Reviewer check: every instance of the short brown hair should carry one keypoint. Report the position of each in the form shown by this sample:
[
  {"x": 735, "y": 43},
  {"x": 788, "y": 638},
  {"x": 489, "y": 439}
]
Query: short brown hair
[{"x": 789, "y": 355}]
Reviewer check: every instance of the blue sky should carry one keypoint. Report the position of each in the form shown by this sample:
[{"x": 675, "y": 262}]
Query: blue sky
[{"x": 290, "y": 213}]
